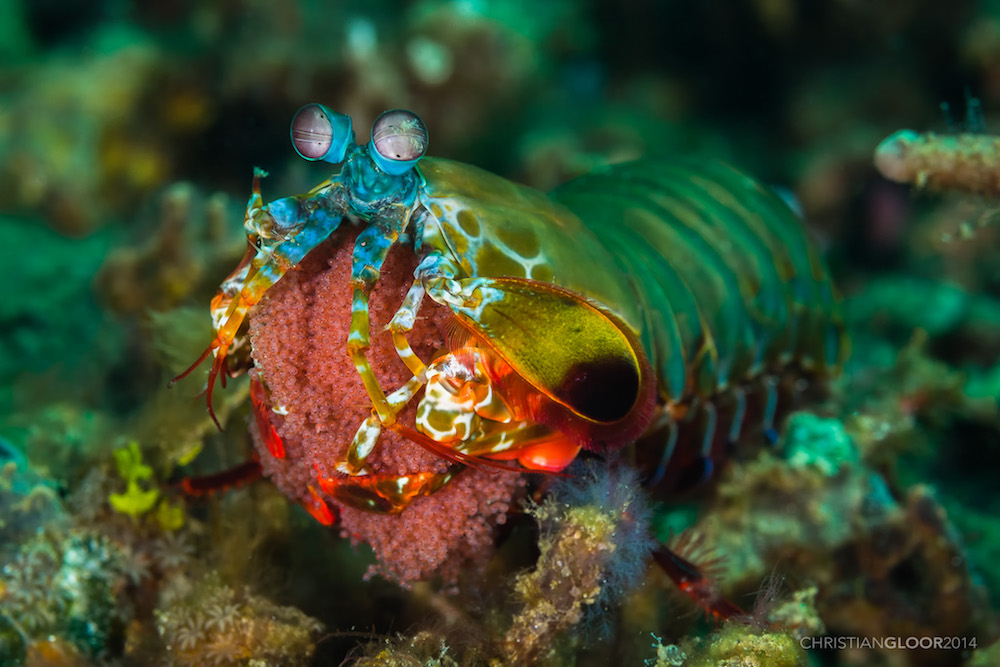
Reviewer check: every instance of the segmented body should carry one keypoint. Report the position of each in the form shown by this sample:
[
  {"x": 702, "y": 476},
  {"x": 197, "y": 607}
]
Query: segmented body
[
  {"x": 710, "y": 268},
  {"x": 625, "y": 299}
]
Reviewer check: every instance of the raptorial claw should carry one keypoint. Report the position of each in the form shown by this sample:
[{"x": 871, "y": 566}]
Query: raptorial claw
[
  {"x": 320, "y": 509},
  {"x": 385, "y": 494}
]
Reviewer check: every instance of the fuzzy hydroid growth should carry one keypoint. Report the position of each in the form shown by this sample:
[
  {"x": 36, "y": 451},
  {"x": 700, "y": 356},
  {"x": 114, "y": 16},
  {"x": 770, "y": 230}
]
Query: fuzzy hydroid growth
[
  {"x": 615, "y": 490},
  {"x": 594, "y": 546}
]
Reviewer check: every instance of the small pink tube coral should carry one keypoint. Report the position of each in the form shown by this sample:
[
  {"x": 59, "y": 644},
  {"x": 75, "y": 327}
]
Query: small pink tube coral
[{"x": 299, "y": 333}]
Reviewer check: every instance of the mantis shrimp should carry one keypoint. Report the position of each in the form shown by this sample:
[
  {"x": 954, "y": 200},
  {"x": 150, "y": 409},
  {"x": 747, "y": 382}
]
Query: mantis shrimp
[{"x": 623, "y": 305}]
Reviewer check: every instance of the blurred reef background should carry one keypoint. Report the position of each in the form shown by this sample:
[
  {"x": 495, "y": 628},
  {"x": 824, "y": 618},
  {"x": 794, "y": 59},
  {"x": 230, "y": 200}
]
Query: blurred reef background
[{"x": 128, "y": 135}]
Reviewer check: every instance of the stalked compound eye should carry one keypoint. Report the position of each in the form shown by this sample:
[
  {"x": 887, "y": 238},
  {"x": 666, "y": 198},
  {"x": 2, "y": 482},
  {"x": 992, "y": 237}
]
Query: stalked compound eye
[
  {"x": 399, "y": 139},
  {"x": 321, "y": 134}
]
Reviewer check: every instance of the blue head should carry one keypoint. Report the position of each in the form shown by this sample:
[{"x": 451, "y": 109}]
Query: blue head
[{"x": 399, "y": 137}]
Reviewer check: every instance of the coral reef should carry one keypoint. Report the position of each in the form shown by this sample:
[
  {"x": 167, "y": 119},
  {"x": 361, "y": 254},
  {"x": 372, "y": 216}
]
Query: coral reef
[
  {"x": 69, "y": 588},
  {"x": 191, "y": 237},
  {"x": 878, "y": 508},
  {"x": 26, "y": 500},
  {"x": 862, "y": 547},
  {"x": 207, "y": 623},
  {"x": 961, "y": 162},
  {"x": 735, "y": 646},
  {"x": 86, "y": 155},
  {"x": 80, "y": 581},
  {"x": 56, "y": 581},
  {"x": 424, "y": 648}
]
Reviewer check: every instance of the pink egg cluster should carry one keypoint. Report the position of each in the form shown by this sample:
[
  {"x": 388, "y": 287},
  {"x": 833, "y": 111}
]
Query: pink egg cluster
[{"x": 299, "y": 333}]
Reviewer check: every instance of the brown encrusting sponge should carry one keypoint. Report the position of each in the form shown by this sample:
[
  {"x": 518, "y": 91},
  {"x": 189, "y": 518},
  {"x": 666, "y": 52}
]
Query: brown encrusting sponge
[{"x": 299, "y": 333}]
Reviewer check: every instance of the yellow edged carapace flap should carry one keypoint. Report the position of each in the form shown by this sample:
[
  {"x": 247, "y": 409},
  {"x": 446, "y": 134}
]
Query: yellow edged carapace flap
[{"x": 581, "y": 357}]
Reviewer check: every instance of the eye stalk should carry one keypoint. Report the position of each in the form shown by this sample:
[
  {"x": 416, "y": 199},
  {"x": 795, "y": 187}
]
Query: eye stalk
[
  {"x": 399, "y": 140},
  {"x": 321, "y": 134}
]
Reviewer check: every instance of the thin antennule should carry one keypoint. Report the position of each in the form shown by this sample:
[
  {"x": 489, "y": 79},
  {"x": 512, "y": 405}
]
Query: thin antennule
[
  {"x": 766, "y": 601},
  {"x": 217, "y": 366}
]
